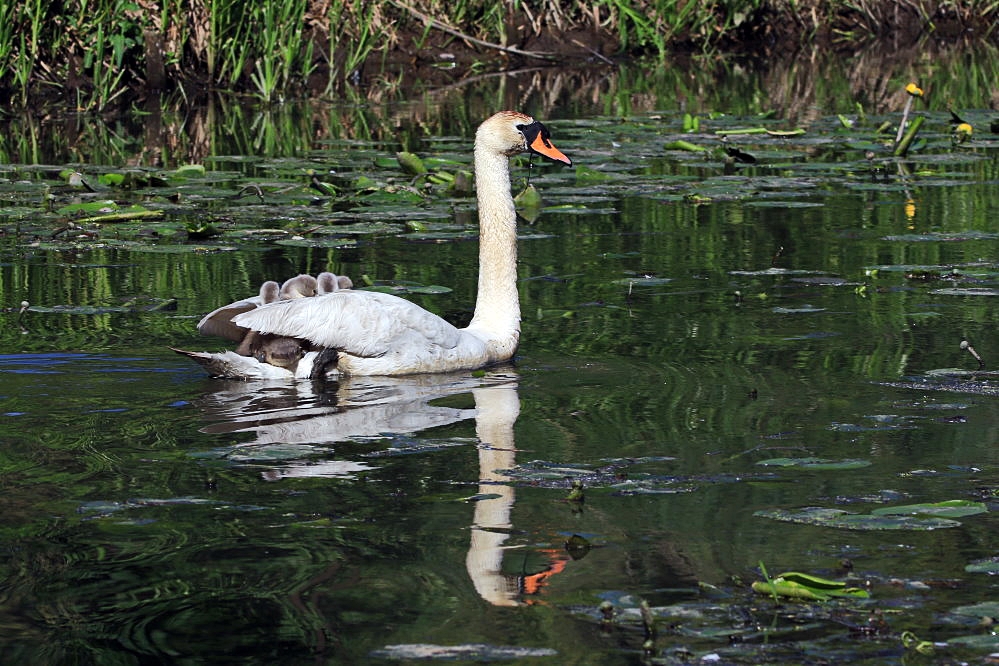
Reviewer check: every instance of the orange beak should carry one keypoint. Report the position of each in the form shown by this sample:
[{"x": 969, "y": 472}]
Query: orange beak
[
  {"x": 539, "y": 141},
  {"x": 542, "y": 146}
]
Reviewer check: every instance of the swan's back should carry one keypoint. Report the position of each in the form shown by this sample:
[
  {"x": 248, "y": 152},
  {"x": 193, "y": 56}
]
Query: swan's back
[{"x": 357, "y": 323}]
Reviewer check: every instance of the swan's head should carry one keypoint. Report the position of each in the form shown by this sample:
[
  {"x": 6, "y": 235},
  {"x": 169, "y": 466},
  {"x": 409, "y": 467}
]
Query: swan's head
[{"x": 509, "y": 133}]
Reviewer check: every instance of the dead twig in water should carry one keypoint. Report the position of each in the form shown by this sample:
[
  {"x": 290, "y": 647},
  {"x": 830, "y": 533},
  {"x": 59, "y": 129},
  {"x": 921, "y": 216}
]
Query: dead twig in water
[
  {"x": 597, "y": 55},
  {"x": 434, "y": 23}
]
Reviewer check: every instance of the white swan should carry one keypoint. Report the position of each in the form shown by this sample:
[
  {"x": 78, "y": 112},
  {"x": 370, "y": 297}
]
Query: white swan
[{"x": 371, "y": 333}]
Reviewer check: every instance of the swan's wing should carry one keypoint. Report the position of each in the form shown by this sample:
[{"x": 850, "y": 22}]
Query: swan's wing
[
  {"x": 360, "y": 323},
  {"x": 219, "y": 321}
]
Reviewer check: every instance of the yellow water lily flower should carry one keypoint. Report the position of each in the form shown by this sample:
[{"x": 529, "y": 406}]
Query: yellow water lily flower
[
  {"x": 962, "y": 132},
  {"x": 914, "y": 90}
]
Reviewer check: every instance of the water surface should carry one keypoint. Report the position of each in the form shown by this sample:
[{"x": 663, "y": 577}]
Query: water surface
[{"x": 695, "y": 332}]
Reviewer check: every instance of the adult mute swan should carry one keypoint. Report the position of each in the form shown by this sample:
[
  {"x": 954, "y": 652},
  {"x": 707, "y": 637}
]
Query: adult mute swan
[{"x": 350, "y": 332}]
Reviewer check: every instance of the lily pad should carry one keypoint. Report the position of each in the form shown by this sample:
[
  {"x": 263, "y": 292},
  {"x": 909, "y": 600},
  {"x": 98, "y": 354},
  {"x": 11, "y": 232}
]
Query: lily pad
[
  {"x": 982, "y": 609},
  {"x": 89, "y": 207},
  {"x": 805, "y": 309},
  {"x": 823, "y": 517},
  {"x": 946, "y": 509},
  {"x": 467, "y": 652},
  {"x": 409, "y": 289},
  {"x": 989, "y": 566},
  {"x": 827, "y": 281},
  {"x": 643, "y": 281},
  {"x": 795, "y": 585},
  {"x": 966, "y": 291},
  {"x": 815, "y": 463},
  {"x": 976, "y": 641}
]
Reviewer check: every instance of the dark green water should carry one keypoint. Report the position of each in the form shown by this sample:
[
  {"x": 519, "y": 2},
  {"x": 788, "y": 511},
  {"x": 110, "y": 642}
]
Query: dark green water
[{"x": 683, "y": 322}]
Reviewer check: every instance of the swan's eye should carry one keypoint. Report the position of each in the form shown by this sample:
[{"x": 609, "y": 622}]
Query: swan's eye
[
  {"x": 536, "y": 131},
  {"x": 539, "y": 142}
]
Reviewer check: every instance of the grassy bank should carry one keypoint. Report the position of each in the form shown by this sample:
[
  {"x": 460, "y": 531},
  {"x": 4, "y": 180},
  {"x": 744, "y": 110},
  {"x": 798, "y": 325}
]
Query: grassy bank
[{"x": 91, "y": 53}]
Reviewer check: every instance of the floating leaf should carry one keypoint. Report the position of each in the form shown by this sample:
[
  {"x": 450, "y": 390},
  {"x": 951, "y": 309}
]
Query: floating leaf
[
  {"x": 947, "y": 509},
  {"x": 823, "y": 517},
  {"x": 461, "y": 185},
  {"x": 190, "y": 171},
  {"x": 409, "y": 289},
  {"x": 643, "y": 281},
  {"x": 780, "y": 203},
  {"x": 529, "y": 198},
  {"x": 587, "y": 175},
  {"x": 795, "y": 589},
  {"x": 819, "y": 280},
  {"x": 468, "y": 652},
  {"x": 103, "y": 206},
  {"x": 809, "y": 580},
  {"x": 989, "y": 566},
  {"x": 976, "y": 641},
  {"x": 684, "y": 145},
  {"x": 815, "y": 463},
  {"x": 966, "y": 291},
  {"x": 981, "y": 609},
  {"x": 805, "y": 309},
  {"x": 410, "y": 163},
  {"x": 135, "y": 212},
  {"x": 111, "y": 179}
]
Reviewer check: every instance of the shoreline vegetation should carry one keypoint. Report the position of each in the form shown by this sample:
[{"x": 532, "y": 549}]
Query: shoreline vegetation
[{"x": 98, "y": 55}]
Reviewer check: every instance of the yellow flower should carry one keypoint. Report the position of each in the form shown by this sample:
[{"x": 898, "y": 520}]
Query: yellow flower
[
  {"x": 962, "y": 132},
  {"x": 914, "y": 90}
]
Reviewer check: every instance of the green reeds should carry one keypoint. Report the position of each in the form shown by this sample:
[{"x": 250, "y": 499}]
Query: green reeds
[
  {"x": 95, "y": 50},
  {"x": 348, "y": 50},
  {"x": 20, "y": 35},
  {"x": 261, "y": 44},
  {"x": 284, "y": 55},
  {"x": 107, "y": 70}
]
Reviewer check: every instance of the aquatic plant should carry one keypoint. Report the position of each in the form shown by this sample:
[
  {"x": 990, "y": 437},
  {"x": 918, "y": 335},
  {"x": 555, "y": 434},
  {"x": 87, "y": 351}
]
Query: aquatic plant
[{"x": 93, "y": 51}]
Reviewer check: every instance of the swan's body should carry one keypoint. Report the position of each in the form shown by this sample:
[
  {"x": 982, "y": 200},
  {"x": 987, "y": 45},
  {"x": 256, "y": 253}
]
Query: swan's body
[{"x": 371, "y": 333}]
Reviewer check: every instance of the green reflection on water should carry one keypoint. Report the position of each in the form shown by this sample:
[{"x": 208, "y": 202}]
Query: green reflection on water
[{"x": 670, "y": 343}]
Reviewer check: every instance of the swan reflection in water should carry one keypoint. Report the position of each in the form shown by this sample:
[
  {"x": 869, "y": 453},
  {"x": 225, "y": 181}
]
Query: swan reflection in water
[{"x": 298, "y": 420}]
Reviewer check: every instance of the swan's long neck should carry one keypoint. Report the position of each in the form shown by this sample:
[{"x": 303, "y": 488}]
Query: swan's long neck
[{"x": 497, "y": 307}]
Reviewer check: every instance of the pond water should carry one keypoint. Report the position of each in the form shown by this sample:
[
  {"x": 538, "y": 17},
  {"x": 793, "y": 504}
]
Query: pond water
[{"x": 744, "y": 364}]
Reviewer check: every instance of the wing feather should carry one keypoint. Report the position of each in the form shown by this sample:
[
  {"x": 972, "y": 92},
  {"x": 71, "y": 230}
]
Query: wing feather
[
  {"x": 218, "y": 322},
  {"x": 360, "y": 323}
]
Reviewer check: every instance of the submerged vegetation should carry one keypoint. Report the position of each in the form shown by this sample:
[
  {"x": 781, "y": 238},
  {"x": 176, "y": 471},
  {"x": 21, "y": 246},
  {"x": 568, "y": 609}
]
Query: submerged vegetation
[{"x": 89, "y": 54}]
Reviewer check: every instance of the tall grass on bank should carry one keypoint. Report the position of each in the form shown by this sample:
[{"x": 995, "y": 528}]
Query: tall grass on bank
[{"x": 90, "y": 52}]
